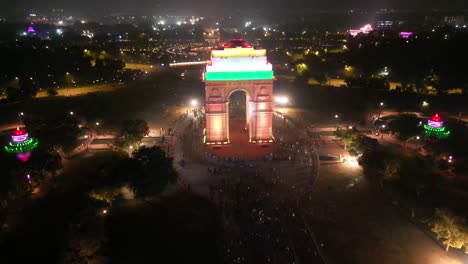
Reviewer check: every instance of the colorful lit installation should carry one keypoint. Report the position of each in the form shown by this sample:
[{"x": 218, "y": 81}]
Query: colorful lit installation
[
  {"x": 31, "y": 30},
  {"x": 21, "y": 144},
  {"x": 235, "y": 66},
  {"x": 435, "y": 128},
  {"x": 406, "y": 35},
  {"x": 364, "y": 30}
]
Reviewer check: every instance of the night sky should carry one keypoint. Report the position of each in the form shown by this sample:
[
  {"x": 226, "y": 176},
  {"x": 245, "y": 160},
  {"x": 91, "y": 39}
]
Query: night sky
[{"x": 205, "y": 7}]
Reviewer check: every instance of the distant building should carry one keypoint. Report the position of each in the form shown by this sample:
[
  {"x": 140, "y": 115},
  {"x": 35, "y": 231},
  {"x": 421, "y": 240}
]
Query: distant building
[
  {"x": 36, "y": 18},
  {"x": 364, "y": 30},
  {"x": 454, "y": 20},
  {"x": 385, "y": 24}
]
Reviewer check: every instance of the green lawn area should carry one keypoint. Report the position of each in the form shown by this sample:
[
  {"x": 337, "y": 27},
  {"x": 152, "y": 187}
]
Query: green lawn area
[
  {"x": 111, "y": 140},
  {"x": 102, "y": 141},
  {"x": 323, "y": 133},
  {"x": 150, "y": 139}
]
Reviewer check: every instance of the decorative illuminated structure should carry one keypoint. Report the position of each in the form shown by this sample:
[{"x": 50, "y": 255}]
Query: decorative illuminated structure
[
  {"x": 435, "y": 128},
  {"x": 406, "y": 35},
  {"x": 31, "y": 30},
  {"x": 364, "y": 30},
  {"x": 238, "y": 66},
  {"x": 21, "y": 144}
]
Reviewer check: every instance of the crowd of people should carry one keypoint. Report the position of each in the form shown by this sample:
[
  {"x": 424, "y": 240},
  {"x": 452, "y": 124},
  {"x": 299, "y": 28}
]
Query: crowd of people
[
  {"x": 252, "y": 219},
  {"x": 257, "y": 202}
]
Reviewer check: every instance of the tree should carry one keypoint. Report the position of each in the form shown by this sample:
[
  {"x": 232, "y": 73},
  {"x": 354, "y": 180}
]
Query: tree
[
  {"x": 58, "y": 132},
  {"x": 449, "y": 227},
  {"x": 106, "y": 195},
  {"x": 158, "y": 171},
  {"x": 51, "y": 92},
  {"x": 391, "y": 170},
  {"x": 12, "y": 93},
  {"x": 351, "y": 140},
  {"x": 28, "y": 88},
  {"x": 320, "y": 77},
  {"x": 377, "y": 83},
  {"x": 44, "y": 161},
  {"x": 131, "y": 133},
  {"x": 146, "y": 173}
]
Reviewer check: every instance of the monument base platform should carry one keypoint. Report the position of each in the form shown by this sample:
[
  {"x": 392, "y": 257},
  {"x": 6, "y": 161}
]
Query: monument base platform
[{"x": 239, "y": 146}]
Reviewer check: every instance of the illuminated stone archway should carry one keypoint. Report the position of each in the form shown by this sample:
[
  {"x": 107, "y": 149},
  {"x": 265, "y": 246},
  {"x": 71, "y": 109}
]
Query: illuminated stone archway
[{"x": 238, "y": 66}]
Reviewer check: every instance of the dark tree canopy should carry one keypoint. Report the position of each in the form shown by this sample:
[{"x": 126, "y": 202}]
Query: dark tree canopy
[
  {"x": 131, "y": 133},
  {"x": 147, "y": 172}
]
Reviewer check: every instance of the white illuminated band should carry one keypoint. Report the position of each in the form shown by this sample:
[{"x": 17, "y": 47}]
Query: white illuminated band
[
  {"x": 238, "y": 52},
  {"x": 19, "y": 138},
  {"x": 238, "y": 64}
]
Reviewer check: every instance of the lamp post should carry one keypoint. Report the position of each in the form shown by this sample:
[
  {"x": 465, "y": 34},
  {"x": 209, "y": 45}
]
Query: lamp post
[
  {"x": 336, "y": 120},
  {"x": 380, "y": 110},
  {"x": 194, "y": 103},
  {"x": 68, "y": 79},
  {"x": 20, "y": 116},
  {"x": 283, "y": 101},
  {"x": 416, "y": 137}
]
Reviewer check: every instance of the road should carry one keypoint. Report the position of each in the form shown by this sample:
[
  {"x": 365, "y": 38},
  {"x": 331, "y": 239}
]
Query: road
[{"x": 208, "y": 177}]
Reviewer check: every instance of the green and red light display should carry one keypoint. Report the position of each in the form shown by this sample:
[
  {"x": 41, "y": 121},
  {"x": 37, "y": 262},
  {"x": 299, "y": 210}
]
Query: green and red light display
[
  {"x": 435, "y": 128},
  {"x": 21, "y": 144}
]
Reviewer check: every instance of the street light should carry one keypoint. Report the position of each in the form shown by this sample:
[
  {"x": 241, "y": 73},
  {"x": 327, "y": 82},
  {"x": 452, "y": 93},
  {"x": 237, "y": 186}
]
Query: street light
[
  {"x": 380, "y": 110},
  {"x": 425, "y": 104},
  {"x": 416, "y": 137},
  {"x": 20, "y": 114},
  {"x": 97, "y": 123},
  {"x": 283, "y": 101},
  {"x": 194, "y": 102},
  {"x": 71, "y": 113},
  {"x": 336, "y": 120}
]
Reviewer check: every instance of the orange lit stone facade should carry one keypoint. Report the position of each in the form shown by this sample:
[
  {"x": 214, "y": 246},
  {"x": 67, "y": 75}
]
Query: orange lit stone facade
[{"x": 259, "y": 109}]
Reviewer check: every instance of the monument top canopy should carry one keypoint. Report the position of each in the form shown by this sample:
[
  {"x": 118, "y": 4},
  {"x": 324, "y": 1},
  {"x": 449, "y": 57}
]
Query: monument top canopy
[
  {"x": 237, "y": 43},
  {"x": 238, "y": 47}
]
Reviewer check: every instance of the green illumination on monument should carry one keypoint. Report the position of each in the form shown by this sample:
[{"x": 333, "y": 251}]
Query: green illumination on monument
[{"x": 238, "y": 76}]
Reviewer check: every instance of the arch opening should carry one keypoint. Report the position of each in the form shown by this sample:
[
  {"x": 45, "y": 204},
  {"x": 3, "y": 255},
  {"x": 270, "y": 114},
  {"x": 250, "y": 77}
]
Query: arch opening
[{"x": 238, "y": 117}]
